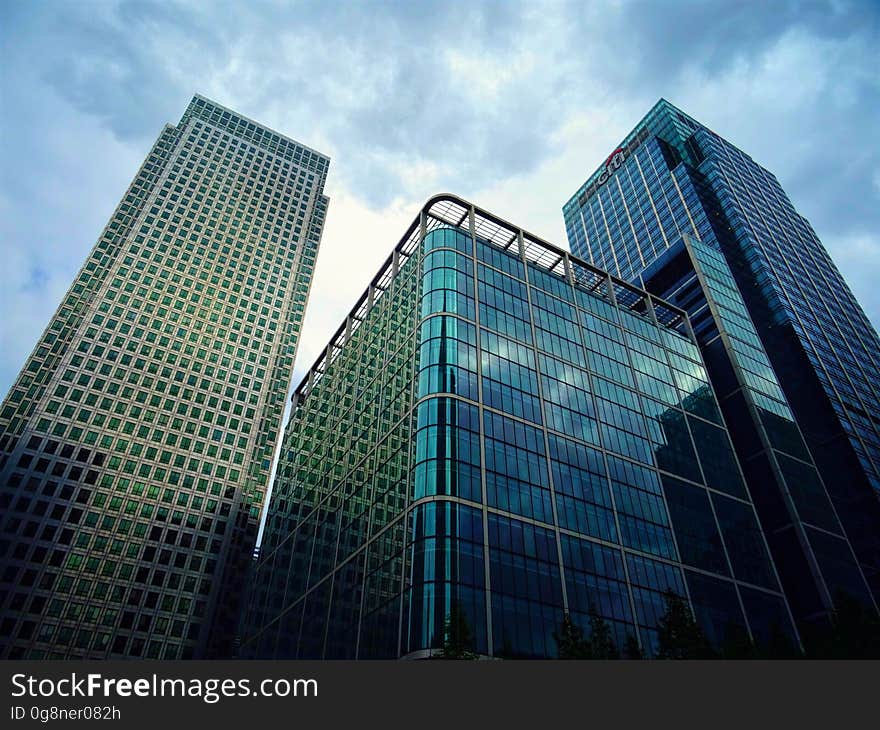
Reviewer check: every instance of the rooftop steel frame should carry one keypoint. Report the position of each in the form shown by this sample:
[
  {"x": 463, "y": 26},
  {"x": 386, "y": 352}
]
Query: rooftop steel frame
[{"x": 446, "y": 210}]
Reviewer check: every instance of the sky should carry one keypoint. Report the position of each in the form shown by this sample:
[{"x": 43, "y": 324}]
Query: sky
[{"x": 510, "y": 105}]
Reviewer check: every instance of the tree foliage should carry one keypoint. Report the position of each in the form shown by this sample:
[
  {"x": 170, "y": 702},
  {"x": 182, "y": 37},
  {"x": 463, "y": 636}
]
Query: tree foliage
[
  {"x": 458, "y": 640},
  {"x": 679, "y": 635},
  {"x": 779, "y": 645},
  {"x": 570, "y": 640},
  {"x": 631, "y": 649},
  {"x": 573, "y": 644},
  {"x": 854, "y": 632},
  {"x": 601, "y": 639}
]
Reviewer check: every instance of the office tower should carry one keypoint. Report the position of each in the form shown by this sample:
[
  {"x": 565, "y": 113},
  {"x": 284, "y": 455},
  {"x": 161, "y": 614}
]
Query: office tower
[
  {"x": 137, "y": 440},
  {"x": 499, "y": 434},
  {"x": 792, "y": 356}
]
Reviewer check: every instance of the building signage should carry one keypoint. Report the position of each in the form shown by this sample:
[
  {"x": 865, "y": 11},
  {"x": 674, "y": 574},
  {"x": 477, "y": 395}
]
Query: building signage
[{"x": 614, "y": 161}]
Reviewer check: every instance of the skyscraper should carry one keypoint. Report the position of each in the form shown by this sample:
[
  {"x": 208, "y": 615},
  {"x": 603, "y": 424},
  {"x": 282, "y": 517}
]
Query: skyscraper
[
  {"x": 137, "y": 440},
  {"x": 499, "y": 434},
  {"x": 792, "y": 356}
]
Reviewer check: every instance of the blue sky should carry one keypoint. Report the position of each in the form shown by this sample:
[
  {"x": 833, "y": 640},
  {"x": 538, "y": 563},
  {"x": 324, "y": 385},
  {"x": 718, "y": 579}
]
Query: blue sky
[{"x": 509, "y": 104}]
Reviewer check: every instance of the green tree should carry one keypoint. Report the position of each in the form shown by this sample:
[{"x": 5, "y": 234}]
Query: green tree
[
  {"x": 854, "y": 632},
  {"x": 738, "y": 644},
  {"x": 573, "y": 644},
  {"x": 631, "y": 649},
  {"x": 601, "y": 639},
  {"x": 779, "y": 645},
  {"x": 679, "y": 635},
  {"x": 856, "y": 628},
  {"x": 570, "y": 640},
  {"x": 458, "y": 641}
]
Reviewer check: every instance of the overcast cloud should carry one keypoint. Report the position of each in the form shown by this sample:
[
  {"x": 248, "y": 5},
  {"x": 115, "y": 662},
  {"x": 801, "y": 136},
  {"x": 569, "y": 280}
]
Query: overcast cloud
[{"x": 511, "y": 105}]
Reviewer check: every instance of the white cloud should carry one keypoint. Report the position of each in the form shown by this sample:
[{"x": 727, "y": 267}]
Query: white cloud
[
  {"x": 510, "y": 105},
  {"x": 356, "y": 242}
]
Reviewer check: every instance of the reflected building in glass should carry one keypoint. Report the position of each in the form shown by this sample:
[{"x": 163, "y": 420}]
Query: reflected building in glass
[
  {"x": 504, "y": 433},
  {"x": 136, "y": 443},
  {"x": 791, "y": 355}
]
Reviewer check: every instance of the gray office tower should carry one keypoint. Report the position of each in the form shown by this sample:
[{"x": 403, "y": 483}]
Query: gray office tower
[
  {"x": 792, "y": 357},
  {"x": 136, "y": 443}
]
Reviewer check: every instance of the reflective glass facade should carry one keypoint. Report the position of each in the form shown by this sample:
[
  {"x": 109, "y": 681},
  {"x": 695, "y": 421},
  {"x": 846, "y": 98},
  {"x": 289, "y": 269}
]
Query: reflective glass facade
[
  {"x": 503, "y": 432},
  {"x": 674, "y": 178},
  {"x": 135, "y": 445}
]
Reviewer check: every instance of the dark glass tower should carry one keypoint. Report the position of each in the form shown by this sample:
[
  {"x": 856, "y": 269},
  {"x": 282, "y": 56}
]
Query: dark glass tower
[
  {"x": 135, "y": 445},
  {"x": 678, "y": 209},
  {"x": 499, "y": 434}
]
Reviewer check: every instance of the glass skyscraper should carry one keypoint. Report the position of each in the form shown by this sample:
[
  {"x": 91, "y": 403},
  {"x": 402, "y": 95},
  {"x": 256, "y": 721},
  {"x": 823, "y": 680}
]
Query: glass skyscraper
[
  {"x": 792, "y": 356},
  {"x": 136, "y": 443},
  {"x": 504, "y": 433}
]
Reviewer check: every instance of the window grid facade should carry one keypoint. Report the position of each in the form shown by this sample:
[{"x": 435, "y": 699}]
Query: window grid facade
[
  {"x": 676, "y": 177},
  {"x": 137, "y": 440},
  {"x": 503, "y": 430}
]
